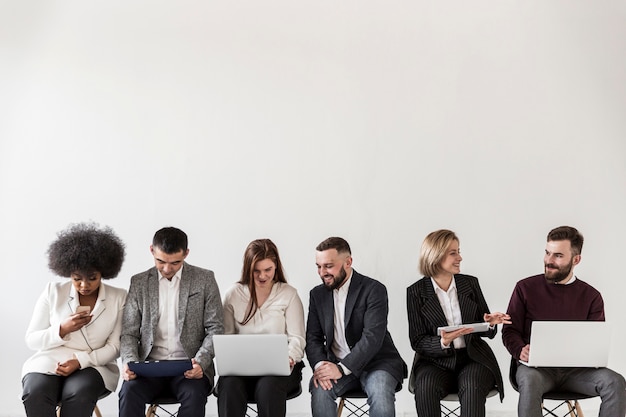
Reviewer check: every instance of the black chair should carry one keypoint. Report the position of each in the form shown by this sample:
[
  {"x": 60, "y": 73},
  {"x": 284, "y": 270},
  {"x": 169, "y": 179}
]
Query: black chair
[
  {"x": 157, "y": 407},
  {"x": 251, "y": 412},
  {"x": 454, "y": 410},
  {"x": 566, "y": 400},
  {"x": 96, "y": 411},
  {"x": 358, "y": 408},
  {"x": 251, "y": 408}
]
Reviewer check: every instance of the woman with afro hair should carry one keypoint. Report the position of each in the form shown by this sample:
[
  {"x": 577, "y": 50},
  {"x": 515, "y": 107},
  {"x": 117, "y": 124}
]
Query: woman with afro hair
[{"x": 76, "y": 325}]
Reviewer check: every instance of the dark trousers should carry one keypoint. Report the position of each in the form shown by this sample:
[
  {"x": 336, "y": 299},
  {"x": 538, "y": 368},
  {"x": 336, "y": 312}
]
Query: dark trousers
[
  {"x": 190, "y": 393},
  {"x": 471, "y": 380},
  {"x": 268, "y": 392},
  {"x": 77, "y": 394}
]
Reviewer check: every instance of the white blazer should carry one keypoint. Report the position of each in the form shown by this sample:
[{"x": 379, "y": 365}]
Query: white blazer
[{"x": 97, "y": 344}]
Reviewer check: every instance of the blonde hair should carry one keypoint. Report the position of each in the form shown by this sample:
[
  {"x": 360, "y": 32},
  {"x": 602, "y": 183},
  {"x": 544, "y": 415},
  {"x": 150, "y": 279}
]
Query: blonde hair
[{"x": 433, "y": 251}]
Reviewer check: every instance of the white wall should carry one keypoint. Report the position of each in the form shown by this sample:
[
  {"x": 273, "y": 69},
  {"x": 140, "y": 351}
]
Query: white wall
[{"x": 375, "y": 121}]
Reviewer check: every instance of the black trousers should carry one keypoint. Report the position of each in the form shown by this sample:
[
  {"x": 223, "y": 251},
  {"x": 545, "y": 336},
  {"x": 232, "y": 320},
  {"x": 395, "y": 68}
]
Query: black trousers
[
  {"x": 471, "y": 380},
  {"x": 77, "y": 394},
  {"x": 190, "y": 393},
  {"x": 268, "y": 392}
]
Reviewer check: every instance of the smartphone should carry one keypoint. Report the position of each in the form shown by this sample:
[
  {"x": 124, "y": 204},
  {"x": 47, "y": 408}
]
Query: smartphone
[{"x": 81, "y": 309}]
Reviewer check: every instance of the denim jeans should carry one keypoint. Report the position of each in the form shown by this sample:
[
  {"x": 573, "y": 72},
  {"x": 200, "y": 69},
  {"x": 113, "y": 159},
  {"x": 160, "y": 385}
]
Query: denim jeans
[
  {"x": 379, "y": 386},
  {"x": 534, "y": 382}
]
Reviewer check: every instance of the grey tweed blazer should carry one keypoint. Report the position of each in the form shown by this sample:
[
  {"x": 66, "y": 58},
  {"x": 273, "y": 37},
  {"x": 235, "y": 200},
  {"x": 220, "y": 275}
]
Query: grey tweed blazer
[{"x": 200, "y": 316}]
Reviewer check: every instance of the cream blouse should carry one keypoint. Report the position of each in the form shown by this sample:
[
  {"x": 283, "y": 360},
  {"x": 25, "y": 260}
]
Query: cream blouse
[{"x": 281, "y": 313}]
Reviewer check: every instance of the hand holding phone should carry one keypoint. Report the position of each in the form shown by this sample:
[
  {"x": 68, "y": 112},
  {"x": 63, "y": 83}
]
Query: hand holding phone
[{"x": 83, "y": 309}]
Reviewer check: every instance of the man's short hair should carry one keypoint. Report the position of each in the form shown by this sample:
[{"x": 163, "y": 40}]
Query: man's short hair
[
  {"x": 568, "y": 233},
  {"x": 337, "y": 243},
  {"x": 170, "y": 240},
  {"x": 433, "y": 251}
]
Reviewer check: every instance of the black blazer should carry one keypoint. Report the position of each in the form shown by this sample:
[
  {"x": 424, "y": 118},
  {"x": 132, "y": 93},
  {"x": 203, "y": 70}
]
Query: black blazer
[
  {"x": 366, "y": 329},
  {"x": 426, "y": 315}
]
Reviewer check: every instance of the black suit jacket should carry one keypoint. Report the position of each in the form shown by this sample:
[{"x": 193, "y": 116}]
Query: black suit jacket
[
  {"x": 371, "y": 346},
  {"x": 426, "y": 315}
]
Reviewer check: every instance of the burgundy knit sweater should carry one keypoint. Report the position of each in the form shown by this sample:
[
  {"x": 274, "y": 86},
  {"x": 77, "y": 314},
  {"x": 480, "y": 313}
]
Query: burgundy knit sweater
[{"x": 535, "y": 298}]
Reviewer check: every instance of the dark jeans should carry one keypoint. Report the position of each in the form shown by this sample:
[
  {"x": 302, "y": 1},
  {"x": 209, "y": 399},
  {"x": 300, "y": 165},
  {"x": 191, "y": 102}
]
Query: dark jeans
[
  {"x": 190, "y": 393},
  {"x": 269, "y": 393},
  {"x": 77, "y": 394}
]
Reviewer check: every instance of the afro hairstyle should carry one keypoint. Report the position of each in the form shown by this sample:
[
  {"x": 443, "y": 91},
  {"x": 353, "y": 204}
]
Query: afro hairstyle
[{"x": 86, "y": 248}]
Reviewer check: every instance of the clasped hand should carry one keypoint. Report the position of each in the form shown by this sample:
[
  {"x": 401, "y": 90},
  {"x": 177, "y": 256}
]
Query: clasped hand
[
  {"x": 67, "y": 368},
  {"x": 326, "y": 375}
]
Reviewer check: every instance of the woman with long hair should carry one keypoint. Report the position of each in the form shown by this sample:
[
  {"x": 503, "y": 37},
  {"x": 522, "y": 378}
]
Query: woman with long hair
[{"x": 262, "y": 302}]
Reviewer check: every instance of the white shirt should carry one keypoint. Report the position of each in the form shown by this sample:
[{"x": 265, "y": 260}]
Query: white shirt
[
  {"x": 167, "y": 338},
  {"x": 282, "y": 312},
  {"x": 449, "y": 301},
  {"x": 340, "y": 345}
]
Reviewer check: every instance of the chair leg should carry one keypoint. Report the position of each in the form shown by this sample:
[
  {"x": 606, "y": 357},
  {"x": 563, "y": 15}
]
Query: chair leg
[
  {"x": 340, "y": 407},
  {"x": 579, "y": 410},
  {"x": 151, "y": 411},
  {"x": 449, "y": 412}
]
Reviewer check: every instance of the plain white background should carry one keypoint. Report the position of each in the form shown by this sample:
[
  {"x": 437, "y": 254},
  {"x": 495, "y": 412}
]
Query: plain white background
[{"x": 296, "y": 120}]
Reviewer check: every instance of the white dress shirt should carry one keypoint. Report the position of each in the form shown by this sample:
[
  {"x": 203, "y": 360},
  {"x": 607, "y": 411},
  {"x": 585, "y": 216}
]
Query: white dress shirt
[
  {"x": 340, "y": 345},
  {"x": 167, "y": 337},
  {"x": 449, "y": 301}
]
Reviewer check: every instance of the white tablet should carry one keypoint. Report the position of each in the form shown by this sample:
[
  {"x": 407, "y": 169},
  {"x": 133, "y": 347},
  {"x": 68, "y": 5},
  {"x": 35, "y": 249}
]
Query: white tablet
[{"x": 476, "y": 327}]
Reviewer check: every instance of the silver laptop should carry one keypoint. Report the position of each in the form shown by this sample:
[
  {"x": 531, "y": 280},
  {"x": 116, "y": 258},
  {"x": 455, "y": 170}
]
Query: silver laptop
[
  {"x": 569, "y": 344},
  {"x": 251, "y": 354}
]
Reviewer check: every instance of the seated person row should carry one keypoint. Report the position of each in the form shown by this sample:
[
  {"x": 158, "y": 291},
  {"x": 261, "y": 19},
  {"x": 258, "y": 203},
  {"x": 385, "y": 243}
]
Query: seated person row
[
  {"x": 172, "y": 311},
  {"x": 331, "y": 366},
  {"x": 467, "y": 364}
]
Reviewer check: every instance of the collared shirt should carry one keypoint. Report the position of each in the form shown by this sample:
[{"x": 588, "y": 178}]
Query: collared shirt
[
  {"x": 571, "y": 280},
  {"x": 167, "y": 338},
  {"x": 340, "y": 345},
  {"x": 449, "y": 301}
]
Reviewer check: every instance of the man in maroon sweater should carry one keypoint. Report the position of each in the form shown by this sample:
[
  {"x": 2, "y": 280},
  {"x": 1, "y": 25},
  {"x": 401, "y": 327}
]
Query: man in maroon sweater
[{"x": 558, "y": 295}]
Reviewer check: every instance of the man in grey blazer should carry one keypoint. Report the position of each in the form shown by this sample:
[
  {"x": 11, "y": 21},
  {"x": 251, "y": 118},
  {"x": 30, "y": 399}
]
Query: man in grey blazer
[
  {"x": 172, "y": 312},
  {"x": 348, "y": 345}
]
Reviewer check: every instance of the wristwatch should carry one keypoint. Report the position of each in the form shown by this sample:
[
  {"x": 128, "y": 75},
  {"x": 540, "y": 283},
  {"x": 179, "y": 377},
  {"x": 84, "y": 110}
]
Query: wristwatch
[{"x": 341, "y": 369}]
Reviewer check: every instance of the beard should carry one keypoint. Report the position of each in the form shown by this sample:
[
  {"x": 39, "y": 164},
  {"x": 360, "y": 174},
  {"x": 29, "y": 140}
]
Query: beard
[
  {"x": 560, "y": 274},
  {"x": 337, "y": 280}
]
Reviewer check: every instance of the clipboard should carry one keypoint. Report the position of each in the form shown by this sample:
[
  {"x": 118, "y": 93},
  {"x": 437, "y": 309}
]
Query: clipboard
[{"x": 160, "y": 368}]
